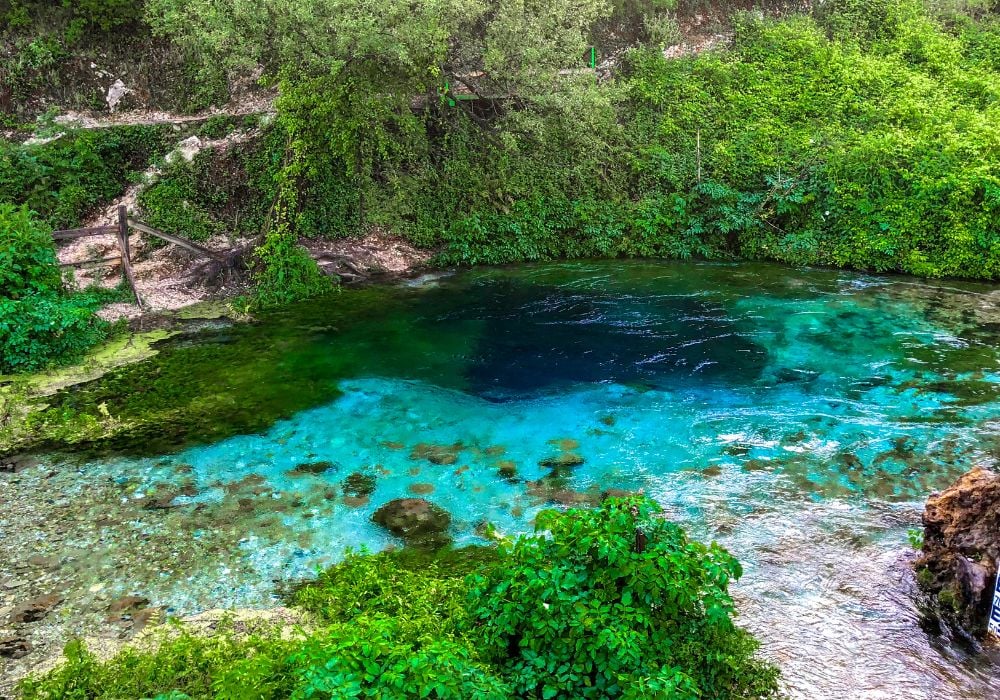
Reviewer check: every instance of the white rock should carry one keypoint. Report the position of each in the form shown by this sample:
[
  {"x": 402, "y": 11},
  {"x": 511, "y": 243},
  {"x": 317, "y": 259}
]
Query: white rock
[
  {"x": 186, "y": 149},
  {"x": 115, "y": 94}
]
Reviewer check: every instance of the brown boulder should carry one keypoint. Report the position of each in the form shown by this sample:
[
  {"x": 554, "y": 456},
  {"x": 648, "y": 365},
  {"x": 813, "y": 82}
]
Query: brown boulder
[
  {"x": 416, "y": 520},
  {"x": 961, "y": 551},
  {"x": 34, "y": 609},
  {"x": 12, "y": 464},
  {"x": 14, "y": 647},
  {"x": 127, "y": 604}
]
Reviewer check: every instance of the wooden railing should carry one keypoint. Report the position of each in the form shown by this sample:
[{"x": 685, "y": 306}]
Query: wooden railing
[{"x": 120, "y": 231}]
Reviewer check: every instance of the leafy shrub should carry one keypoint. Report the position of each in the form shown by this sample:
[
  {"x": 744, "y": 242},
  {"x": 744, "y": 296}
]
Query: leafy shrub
[
  {"x": 44, "y": 328},
  {"x": 92, "y": 15},
  {"x": 70, "y": 177},
  {"x": 379, "y": 659},
  {"x": 411, "y": 624},
  {"x": 182, "y": 665},
  {"x": 584, "y": 610},
  {"x": 27, "y": 256},
  {"x": 369, "y": 585},
  {"x": 105, "y": 14},
  {"x": 39, "y": 322},
  {"x": 285, "y": 272}
]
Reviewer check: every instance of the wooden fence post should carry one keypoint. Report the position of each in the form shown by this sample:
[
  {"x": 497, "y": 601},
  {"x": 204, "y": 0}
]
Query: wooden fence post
[{"x": 126, "y": 255}]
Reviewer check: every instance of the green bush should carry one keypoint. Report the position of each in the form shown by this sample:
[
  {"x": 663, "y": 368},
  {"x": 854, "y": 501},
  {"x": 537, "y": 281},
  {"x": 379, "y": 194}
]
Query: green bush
[
  {"x": 67, "y": 179},
  {"x": 379, "y": 659},
  {"x": 284, "y": 272},
  {"x": 583, "y": 610},
  {"x": 28, "y": 262},
  {"x": 577, "y": 614},
  {"x": 183, "y": 665},
  {"x": 91, "y": 15},
  {"x": 39, "y": 322}
]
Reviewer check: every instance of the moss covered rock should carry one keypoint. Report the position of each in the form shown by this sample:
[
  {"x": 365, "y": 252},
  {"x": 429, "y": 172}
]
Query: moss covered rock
[
  {"x": 416, "y": 520},
  {"x": 961, "y": 551}
]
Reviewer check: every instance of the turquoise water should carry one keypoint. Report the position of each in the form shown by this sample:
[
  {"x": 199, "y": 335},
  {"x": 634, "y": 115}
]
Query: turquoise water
[{"x": 799, "y": 417}]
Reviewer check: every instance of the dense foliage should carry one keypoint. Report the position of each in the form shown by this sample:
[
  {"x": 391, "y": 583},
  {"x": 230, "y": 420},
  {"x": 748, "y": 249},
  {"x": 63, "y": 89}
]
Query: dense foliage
[
  {"x": 229, "y": 192},
  {"x": 877, "y": 155},
  {"x": 862, "y": 136},
  {"x": 593, "y": 609},
  {"x": 590, "y": 617},
  {"x": 39, "y": 320},
  {"x": 68, "y": 178}
]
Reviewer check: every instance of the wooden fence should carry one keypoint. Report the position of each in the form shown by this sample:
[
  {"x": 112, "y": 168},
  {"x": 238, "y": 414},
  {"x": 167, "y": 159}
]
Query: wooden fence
[{"x": 121, "y": 231}]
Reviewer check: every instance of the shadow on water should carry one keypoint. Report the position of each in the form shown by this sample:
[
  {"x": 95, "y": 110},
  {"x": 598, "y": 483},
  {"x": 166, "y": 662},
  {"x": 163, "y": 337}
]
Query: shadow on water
[{"x": 540, "y": 338}]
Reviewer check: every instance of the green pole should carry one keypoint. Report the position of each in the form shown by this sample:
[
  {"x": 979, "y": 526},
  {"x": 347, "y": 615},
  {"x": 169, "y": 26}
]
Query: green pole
[{"x": 593, "y": 57}]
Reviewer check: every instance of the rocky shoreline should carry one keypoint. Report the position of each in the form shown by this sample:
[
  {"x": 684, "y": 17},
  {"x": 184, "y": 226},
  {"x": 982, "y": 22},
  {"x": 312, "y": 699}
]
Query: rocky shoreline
[{"x": 960, "y": 554}]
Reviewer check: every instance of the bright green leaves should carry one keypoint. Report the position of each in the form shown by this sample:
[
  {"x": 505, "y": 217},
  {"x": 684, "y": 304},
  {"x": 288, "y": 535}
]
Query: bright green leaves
[
  {"x": 578, "y": 612},
  {"x": 39, "y": 321},
  {"x": 27, "y": 256},
  {"x": 284, "y": 272},
  {"x": 872, "y": 150},
  {"x": 66, "y": 179},
  {"x": 376, "y": 659}
]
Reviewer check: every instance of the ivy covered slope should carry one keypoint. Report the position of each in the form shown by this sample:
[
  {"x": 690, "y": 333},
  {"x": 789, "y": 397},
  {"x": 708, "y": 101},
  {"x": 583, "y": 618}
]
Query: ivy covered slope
[
  {"x": 577, "y": 611},
  {"x": 863, "y": 134}
]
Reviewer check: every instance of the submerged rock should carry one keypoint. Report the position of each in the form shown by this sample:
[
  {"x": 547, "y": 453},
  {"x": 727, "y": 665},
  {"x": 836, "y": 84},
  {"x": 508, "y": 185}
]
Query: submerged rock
[
  {"x": 566, "y": 460},
  {"x": 358, "y": 485},
  {"x": 416, "y": 520},
  {"x": 556, "y": 491},
  {"x": 164, "y": 498},
  {"x": 507, "y": 469},
  {"x": 14, "y": 647},
  {"x": 311, "y": 468},
  {"x": 34, "y": 609},
  {"x": 442, "y": 455},
  {"x": 961, "y": 551},
  {"x": 127, "y": 605}
]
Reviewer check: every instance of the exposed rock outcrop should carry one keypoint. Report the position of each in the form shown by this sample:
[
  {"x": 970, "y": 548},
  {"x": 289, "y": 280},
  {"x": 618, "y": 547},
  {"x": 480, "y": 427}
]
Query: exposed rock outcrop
[{"x": 961, "y": 551}]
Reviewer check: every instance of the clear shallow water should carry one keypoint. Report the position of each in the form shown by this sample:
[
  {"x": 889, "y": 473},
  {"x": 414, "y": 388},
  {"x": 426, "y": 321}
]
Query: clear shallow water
[{"x": 799, "y": 417}]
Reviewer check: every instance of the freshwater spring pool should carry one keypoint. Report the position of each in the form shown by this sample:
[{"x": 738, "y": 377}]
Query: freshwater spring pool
[{"x": 799, "y": 417}]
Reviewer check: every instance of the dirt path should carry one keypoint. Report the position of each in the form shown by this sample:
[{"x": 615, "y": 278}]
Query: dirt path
[{"x": 164, "y": 273}]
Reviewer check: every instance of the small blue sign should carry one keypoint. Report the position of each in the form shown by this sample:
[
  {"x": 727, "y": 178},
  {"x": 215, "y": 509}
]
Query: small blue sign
[{"x": 994, "y": 624}]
